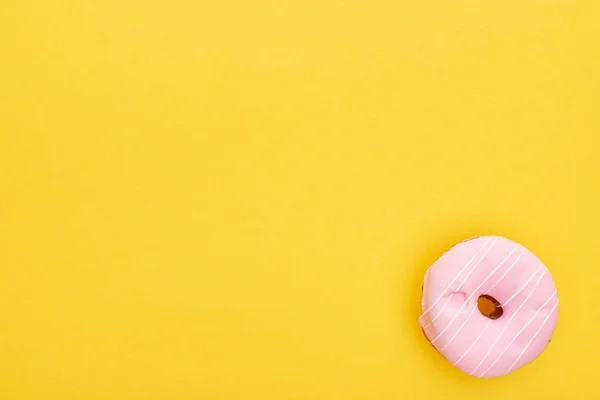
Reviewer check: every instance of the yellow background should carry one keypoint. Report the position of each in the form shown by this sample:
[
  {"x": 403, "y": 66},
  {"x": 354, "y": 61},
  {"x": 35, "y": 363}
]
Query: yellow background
[{"x": 238, "y": 199}]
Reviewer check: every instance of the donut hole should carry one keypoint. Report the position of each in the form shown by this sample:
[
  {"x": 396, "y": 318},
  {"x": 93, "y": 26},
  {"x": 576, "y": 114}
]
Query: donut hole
[{"x": 489, "y": 307}]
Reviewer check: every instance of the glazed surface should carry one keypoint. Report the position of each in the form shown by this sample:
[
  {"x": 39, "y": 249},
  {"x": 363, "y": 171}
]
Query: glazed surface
[{"x": 510, "y": 273}]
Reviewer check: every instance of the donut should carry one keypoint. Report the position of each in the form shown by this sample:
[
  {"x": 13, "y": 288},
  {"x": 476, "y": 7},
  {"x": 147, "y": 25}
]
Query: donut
[{"x": 490, "y": 306}]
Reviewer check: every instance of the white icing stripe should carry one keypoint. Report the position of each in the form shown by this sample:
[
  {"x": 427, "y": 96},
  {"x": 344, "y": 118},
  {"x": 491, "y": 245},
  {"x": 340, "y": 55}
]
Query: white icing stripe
[
  {"x": 504, "y": 305},
  {"x": 506, "y": 272},
  {"x": 522, "y": 286},
  {"x": 459, "y": 273},
  {"x": 533, "y": 338},
  {"x": 474, "y": 343},
  {"x": 475, "y": 306},
  {"x": 445, "y": 292},
  {"x": 460, "y": 328},
  {"x": 476, "y": 290},
  {"x": 518, "y": 333},
  {"x": 508, "y": 323},
  {"x": 441, "y": 312}
]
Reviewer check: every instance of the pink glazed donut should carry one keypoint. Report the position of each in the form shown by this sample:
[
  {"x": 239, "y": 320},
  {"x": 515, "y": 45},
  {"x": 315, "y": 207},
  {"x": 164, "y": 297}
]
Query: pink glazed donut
[{"x": 523, "y": 315}]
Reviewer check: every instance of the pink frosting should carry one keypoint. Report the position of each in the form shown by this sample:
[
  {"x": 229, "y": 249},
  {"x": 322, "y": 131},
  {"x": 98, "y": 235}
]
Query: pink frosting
[{"x": 506, "y": 271}]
